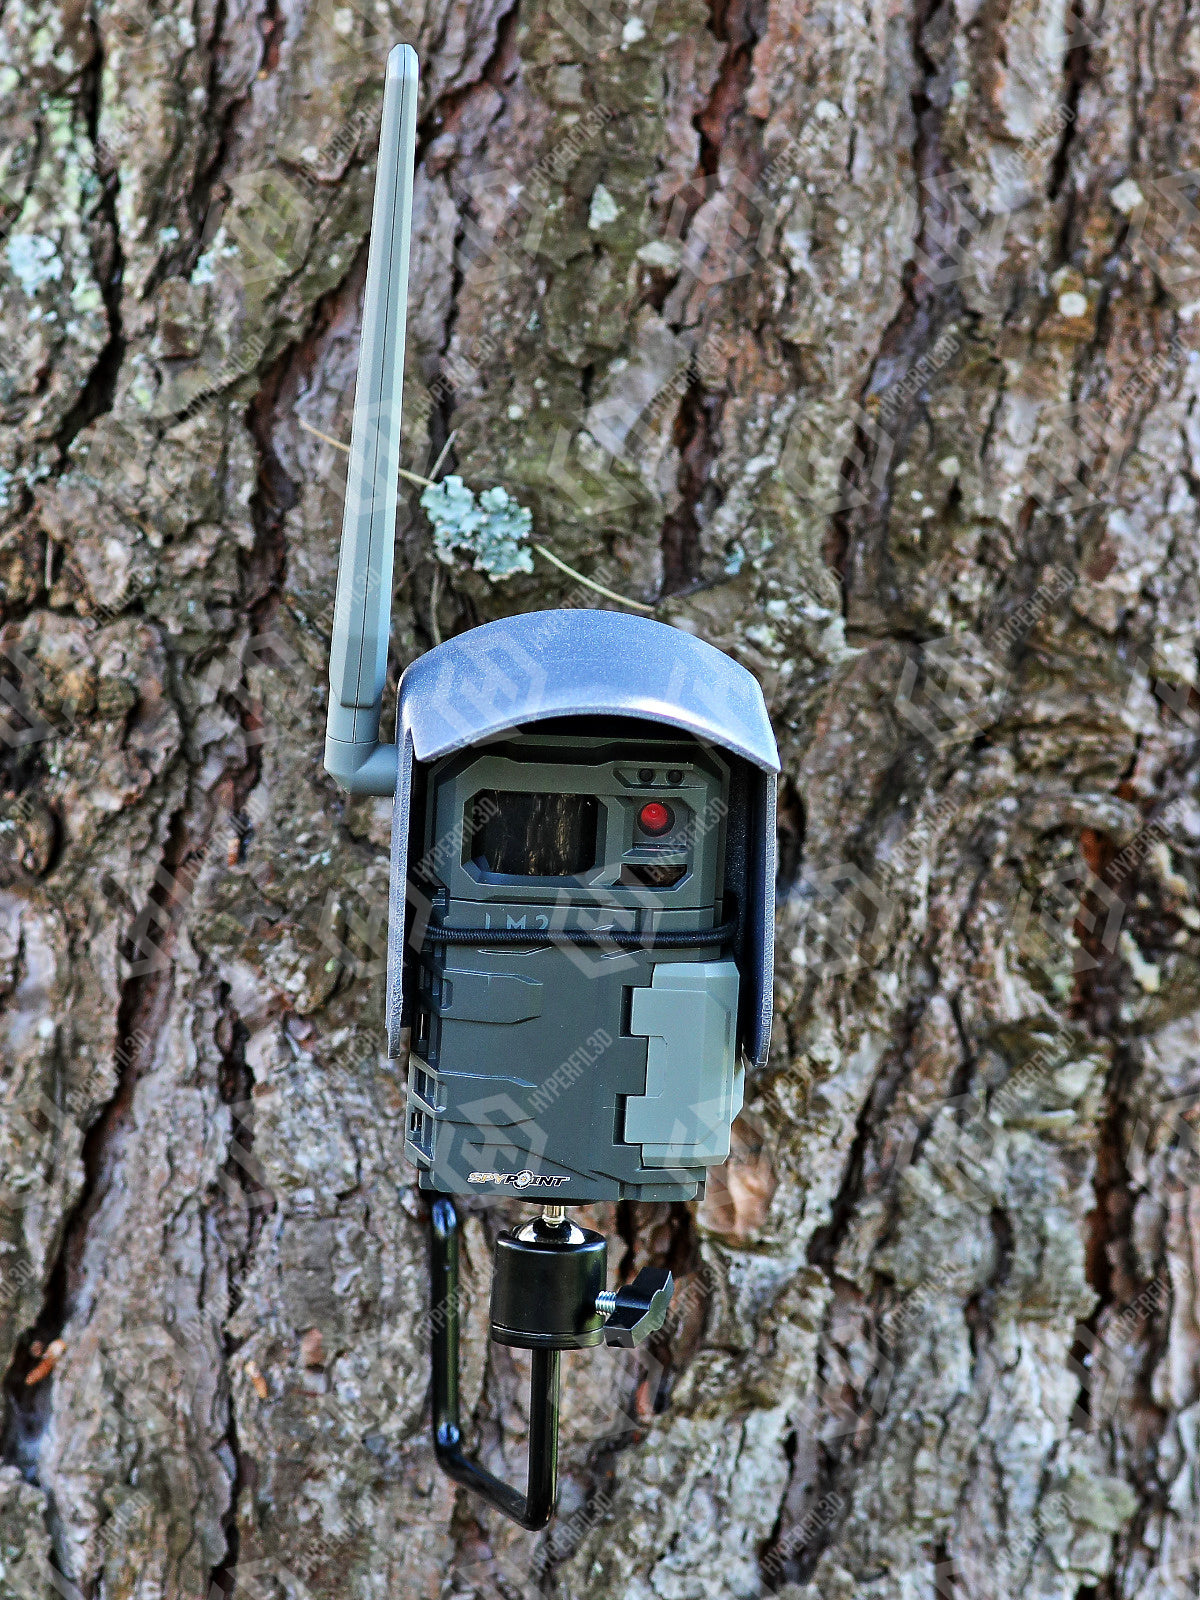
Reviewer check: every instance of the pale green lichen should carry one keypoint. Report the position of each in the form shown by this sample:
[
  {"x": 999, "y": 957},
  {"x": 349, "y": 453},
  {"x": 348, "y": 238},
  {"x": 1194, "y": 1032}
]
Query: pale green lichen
[
  {"x": 205, "y": 269},
  {"x": 33, "y": 260},
  {"x": 86, "y": 296},
  {"x": 491, "y": 529},
  {"x": 603, "y": 208}
]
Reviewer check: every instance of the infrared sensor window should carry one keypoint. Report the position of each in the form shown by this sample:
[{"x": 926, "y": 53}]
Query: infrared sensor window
[{"x": 649, "y": 875}]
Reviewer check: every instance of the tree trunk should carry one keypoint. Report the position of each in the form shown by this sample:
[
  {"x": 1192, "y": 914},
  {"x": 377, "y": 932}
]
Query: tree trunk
[{"x": 857, "y": 340}]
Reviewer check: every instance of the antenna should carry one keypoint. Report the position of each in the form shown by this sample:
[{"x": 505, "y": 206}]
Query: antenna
[{"x": 362, "y": 613}]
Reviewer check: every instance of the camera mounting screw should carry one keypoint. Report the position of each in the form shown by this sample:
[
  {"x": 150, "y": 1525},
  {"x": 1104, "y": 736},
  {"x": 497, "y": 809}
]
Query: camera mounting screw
[{"x": 637, "y": 1309}]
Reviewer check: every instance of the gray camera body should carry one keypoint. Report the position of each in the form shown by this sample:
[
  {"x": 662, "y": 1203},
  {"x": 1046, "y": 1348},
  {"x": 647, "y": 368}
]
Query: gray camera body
[
  {"x": 577, "y": 1104},
  {"x": 627, "y": 844}
]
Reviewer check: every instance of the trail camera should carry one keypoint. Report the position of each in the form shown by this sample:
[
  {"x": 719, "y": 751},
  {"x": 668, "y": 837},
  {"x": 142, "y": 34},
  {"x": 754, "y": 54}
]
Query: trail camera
[
  {"x": 580, "y": 932},
  {"x": 582, "y": 824}
]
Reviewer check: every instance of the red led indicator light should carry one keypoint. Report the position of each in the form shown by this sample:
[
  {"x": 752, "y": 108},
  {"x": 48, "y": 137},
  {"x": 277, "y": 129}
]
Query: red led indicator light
[{"x": 656, "y": 818}]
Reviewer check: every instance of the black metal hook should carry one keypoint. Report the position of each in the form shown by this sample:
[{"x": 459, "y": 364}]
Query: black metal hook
[{"x": 535, "y": 1507}]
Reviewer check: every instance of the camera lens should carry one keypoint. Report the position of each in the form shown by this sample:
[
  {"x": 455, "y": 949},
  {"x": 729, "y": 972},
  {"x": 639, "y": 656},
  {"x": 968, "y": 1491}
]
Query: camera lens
[
  {"x": 674, "y": 777},
  {"x": 646, "y": 775}
]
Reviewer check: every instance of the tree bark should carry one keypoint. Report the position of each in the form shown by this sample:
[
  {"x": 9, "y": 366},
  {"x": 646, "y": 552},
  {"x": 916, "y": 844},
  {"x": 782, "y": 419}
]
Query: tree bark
[{"x": 857, "y": 339}]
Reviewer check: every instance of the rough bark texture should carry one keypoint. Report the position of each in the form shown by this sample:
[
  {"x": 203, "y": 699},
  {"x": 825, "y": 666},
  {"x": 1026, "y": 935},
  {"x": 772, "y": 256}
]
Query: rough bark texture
[{"x": 857, "y": 338}]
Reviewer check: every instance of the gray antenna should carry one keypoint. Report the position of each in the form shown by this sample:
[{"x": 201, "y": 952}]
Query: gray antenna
[{"x": 362, "y": 613}]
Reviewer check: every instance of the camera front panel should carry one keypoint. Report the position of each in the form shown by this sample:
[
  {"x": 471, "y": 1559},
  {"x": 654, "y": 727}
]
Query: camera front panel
[{"x": 574, "y": 1071}]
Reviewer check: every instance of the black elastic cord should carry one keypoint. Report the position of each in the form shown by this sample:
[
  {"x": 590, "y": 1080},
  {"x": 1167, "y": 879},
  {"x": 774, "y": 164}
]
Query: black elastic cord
[{"x": 624, "y": 941}]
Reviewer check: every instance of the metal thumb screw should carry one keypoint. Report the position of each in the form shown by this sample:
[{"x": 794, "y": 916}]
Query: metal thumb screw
[{"x": 638, "y": 1309}]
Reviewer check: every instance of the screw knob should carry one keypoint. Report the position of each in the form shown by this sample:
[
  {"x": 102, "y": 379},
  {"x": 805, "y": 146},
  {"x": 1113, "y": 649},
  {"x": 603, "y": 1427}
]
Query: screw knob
[{"x": 638, "y": 1309}]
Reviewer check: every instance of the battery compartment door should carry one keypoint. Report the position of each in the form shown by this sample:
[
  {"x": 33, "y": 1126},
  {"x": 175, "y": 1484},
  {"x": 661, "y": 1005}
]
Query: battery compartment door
[{"x": 694, "y": 1084}]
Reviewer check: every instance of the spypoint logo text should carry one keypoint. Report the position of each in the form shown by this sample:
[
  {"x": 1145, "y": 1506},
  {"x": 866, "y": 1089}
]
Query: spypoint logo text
[{"x": 519, "y": 1180}]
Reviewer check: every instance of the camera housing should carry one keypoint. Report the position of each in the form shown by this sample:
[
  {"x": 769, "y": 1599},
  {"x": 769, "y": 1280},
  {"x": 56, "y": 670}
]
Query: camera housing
[{"x": 582, "y": 879}]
